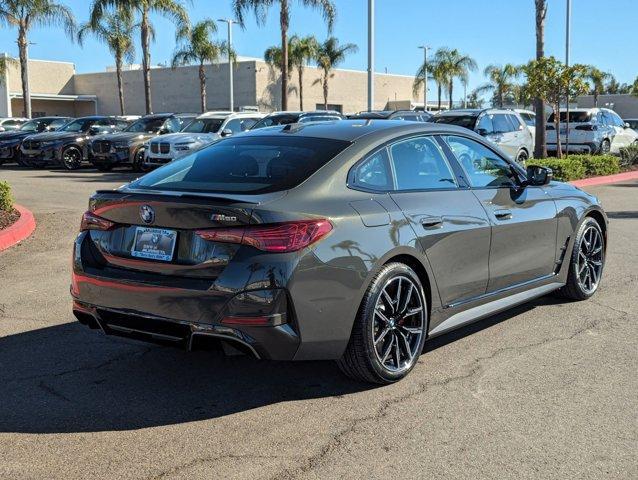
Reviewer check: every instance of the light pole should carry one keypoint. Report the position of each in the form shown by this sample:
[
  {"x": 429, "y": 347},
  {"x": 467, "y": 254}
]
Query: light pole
[
  {"x": 425, "y": 77},
  {"x": 370, "y": 55},
  {"x": 567, "y": 27},
  {"x": 230, "y": 22}
]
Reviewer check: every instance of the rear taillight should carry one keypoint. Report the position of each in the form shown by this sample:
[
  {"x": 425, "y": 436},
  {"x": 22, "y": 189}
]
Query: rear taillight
[
  {"x": 589, "y": 128},
  {"x": 279, "y": 237},
  {"x": 93, "y": 222}
]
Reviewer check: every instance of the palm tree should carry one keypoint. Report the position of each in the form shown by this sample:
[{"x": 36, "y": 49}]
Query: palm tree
[
  {"x": 329, "y": 55},
  {"x": 24, "y": 14},
  {"x": 5, "y": 63},
  {"x": 260, "y": 8},
  {"x": 172, "y": 9},
  {"x": 302, "y": 51},
  {"x": 197, "y": 47},
  {"x": 453, "y": 65},
  {"x": 436, "y": 72},
  {"x": 540, "y": 148},
  {"x": 597, "y": 78},
  {"x": 116, "y": 29},
  {"x": 273, "y": 56},
  {"x": 501, "y": 82}
]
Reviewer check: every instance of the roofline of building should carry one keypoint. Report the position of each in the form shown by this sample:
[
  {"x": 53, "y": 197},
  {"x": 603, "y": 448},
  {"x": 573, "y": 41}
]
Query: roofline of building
[{"x": 56, "y": 96}]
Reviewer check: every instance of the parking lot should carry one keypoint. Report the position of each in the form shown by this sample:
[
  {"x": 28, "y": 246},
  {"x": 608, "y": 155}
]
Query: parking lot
[{"x": 548, "y": 390}]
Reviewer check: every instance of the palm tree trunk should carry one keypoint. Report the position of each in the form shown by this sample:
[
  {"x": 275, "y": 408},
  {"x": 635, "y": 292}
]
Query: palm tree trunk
[
  {"x": 596, "y": 98},
  {"x": 120, "y": 83},
  {"x": 202, "y": 85},
  {"x": 146, "y": 60},
  {"x": 450, "y": 88},
  {"x": 23, "y": 47},
  {"x": 438, "y": 91},
  {"x": 325, "y": 91},
  {"x": 540, "y": 148},
  {"x": 300, "y": 71},
  {"x": 559, "y": 153},
  {"x": 283, "y": 21}
]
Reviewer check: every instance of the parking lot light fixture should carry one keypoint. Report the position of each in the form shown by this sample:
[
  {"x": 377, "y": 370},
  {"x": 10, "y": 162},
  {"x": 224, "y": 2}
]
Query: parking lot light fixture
[
  {"x": 230, "y": 22},
  {"x": 425, "y": 74}
]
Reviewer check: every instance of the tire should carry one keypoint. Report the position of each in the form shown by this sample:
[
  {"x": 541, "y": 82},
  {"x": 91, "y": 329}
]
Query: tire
[
  {"x": 386, "y": 341},
  {"x": 138, "y": 161},
  {"x": 522, "y": 157},
  {"x": 585, "y": 262},
  {"x": 605, "y": 147},
  {"x": 71, "y": 158}
]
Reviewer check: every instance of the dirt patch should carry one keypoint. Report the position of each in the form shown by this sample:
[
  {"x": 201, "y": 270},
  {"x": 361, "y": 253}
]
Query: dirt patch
[{"x": 8, "y": 218}]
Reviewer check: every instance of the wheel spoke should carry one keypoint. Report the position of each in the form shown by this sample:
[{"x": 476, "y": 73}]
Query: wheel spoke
[
  {"x": 412, "y": 330},
  {"x": 398, "y": 301},
  {"x": 407, "y": 298},
  {"x": 387, "y": 299},
  {"x": 405, "y": 345},
  {"x": 381, "y": 336},
  {"x": 413, "y": 311},
  {"x": 381, "y": 315},
  {"x": 397, "y": 352},
  {"x": 594, "y": 274},
  {"x": 387, "y": 351}
]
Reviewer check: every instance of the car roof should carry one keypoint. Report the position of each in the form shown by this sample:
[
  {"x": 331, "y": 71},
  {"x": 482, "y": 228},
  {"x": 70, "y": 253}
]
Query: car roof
[
  {"x": 351, "y": 130},
  {"x": 385, "y": 113},
  {"x": 226, "y": 114}
]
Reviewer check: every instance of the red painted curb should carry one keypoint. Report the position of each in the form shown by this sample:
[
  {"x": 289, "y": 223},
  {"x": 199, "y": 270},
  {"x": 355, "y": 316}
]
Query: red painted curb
[
  {"x": 619, "y": 177},
  {"x": 19, "y": 230}
]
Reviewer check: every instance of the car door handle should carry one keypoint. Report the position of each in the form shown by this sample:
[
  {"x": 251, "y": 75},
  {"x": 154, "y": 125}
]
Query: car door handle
[
  {"x": 432, "y": 222},
  {"x": 503, "y": 214}
]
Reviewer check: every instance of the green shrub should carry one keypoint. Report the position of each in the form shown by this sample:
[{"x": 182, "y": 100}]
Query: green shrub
[
  {"x": 629, "y": 156},
  {"x": 575, "y": 167},
  {"x": 6, "y": 201}
]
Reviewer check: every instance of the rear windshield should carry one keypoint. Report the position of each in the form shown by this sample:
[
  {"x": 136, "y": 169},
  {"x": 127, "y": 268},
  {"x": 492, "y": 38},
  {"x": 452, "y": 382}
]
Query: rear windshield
[
  {"x": 274, "y": 120},
  {"x": 574, "y": 117},
  {"x": 466, "y": 121},
  {"x": 204, "y": 126},
  {"x": 245, "y": 165}
]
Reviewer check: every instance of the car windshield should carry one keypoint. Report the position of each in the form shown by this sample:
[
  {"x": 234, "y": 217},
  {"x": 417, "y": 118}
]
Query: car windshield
[
  {"x": 467, "y": 121},
  {"x": 32, "y": 126},
  {"x": 208, "y": 125},
  {"x": 274, "y": 120},
  {"x": 574, "y": 117},
  {"x": 146, "y": 125},
  {"x": 245, "y": 165},
  {"x": 80, "y": 125}
]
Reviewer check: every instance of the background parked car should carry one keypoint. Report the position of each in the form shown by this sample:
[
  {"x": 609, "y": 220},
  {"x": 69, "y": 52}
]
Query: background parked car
[
  {"x": 632, "y": 122},
  {"x": 67, "y": 146},
  {"x": 596, "y": 130},
  {"x": 10, "y": 140},
  {"x": 529, "y": 118},
  {"x": 504, "y": 128},
  {"x": 202, "y": 131},
  {"x": 286, "y": 118},
  {"x": 127, "y": 147},
  {"x": 408, "y": 115},
  {"x": 7, "y": 124}
]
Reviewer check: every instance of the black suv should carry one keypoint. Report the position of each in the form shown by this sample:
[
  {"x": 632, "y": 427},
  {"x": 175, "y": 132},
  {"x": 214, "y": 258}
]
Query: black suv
[
  {"x": 127, "y": 147},
  {"x": 10, "y": 141},
  {"x": 407, "y": 115},
  {"x": 67, "y": 146}
]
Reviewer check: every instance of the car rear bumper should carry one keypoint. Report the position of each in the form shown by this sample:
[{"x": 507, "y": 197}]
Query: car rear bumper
[{"x": 575, "y": 147}]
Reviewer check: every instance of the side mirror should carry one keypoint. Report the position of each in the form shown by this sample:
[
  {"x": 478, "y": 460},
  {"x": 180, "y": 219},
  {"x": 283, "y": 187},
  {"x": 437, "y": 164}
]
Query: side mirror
[
  {"x": 627, "y": 125},
  {"x": 226, "y": 132},
  {"x": 538, "y": 176},
  {"x": 482, "y": 132}
]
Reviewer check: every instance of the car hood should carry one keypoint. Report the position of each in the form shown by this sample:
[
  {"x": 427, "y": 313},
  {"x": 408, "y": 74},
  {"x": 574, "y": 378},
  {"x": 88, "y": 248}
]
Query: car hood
[
  {"x": 53, "y": 136},
  {"x": 132, "y": 137},
  {"x": 187, "y": 137},
  {"x": 14, "y": 135}
]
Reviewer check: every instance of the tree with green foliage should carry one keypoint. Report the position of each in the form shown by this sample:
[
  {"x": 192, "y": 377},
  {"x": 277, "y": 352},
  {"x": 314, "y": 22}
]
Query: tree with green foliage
[
  {"x": 474, "y": 99},
  {"x": 500, "y": 82},
  {"x": 596, "y": 79},
  {"x": 195, "y": 45},
  {"x": 25, "y": 14},
  {"x": 171, "y": 9},
  {"x": 437, "y": 72},
  {"x": 116, "y": 30},
  {"x": 552, "y": 81},
  {"x": 260, "y": 9},
  {"x": 329, "y": 55},
  {"x": 302, "y": 51},
  {"x": 453, "y": 65}
]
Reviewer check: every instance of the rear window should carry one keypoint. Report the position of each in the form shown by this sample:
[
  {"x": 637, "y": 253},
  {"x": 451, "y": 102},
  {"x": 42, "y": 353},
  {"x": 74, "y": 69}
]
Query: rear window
[
  {"x": 466, "y": 121},
  {"x": 274, "y": 120},
  {"x": 245, "y": 165},
  {"x": 574, "y": 117}
]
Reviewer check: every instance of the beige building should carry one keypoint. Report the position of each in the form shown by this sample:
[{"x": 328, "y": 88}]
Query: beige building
[
  {"x": 56, "y": 89},
  {"x": 625, "y": 105}
]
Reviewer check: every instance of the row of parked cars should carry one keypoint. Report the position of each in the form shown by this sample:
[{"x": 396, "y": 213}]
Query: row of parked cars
[{"x": 153, "y": 140}]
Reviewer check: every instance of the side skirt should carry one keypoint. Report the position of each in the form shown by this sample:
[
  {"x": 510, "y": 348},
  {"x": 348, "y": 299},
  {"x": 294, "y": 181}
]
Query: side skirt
[{"x": 481, "y": 311}]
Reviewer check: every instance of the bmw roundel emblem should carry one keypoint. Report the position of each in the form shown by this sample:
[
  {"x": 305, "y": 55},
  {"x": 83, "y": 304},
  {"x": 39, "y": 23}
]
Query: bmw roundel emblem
[{"x": 147, "y": 214}]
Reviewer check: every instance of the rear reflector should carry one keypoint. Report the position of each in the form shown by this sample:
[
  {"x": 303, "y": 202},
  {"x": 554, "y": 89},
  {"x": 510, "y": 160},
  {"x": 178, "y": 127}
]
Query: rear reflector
[
  {"x": 265, "y": 321},
  {"x": 279, "y": 237},
  {"x": 93, "y": 222}
]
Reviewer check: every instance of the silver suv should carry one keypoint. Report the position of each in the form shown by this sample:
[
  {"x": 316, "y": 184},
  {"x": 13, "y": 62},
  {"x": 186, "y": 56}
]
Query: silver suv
[
  {"x": 201, "y": 132},
  {"x": 591, "y": 130},
  {"x": 504, "y": 128}
]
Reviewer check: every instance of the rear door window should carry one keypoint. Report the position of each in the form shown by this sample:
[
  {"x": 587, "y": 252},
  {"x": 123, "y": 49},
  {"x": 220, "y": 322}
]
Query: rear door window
[
  {"x": 485, "y": 125},
  {"x": 419, "y": 164},
  {"x": 373, "y": 173},
  {"x": 245, "y": 165},
  {"x": 501, "y": 123}
]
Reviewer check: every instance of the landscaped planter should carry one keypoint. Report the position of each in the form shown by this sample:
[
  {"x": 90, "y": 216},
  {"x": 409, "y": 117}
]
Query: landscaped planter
[{"x": 21, "y": 227}]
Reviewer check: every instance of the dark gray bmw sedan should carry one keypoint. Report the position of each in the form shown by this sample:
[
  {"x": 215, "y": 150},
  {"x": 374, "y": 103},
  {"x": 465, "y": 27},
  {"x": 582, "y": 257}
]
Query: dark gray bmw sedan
[{"x": 352, "y": 240}]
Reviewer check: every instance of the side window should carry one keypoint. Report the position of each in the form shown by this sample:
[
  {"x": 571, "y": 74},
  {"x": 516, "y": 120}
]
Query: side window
[
  {"x": 600, "y": 119},
  {"x": 247, "y": 123},
  {"x": 172, "y": 125},
  {"x": 617, "y": 120},
  {"x": 420, "y": 164},
  {"x": 501, "y": 123},
  {"x": 373, "y": 173},
  {"x": 485, "y": 124},
  {"x": 483, "y": 167},
  {"x": 529, "y": 119},
  {"x": 516, "y": 123},
  {"x": 234, "y": 125},
  {"x": 609, "y": 120}
]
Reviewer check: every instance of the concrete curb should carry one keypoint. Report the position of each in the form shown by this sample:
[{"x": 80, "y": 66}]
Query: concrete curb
[
  {"x": 619, "y": 177},
  {"x": 19, "y": 230}
]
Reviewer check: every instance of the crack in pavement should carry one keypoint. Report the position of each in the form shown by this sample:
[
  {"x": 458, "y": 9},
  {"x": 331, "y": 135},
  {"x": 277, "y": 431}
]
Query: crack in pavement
[{"x": 384, "y": 409}]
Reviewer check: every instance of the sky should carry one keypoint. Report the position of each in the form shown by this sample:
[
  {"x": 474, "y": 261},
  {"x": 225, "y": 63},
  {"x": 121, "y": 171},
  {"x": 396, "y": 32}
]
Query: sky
[{"x": 491, "y": 31}]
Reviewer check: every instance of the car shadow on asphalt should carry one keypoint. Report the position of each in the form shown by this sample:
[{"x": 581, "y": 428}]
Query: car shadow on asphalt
[{"x": 67, "y": 378}]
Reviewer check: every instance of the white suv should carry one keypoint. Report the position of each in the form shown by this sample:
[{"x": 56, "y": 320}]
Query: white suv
[
  {"x": 201, "y": 132},
  {"x": 591, "y": 130}
]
